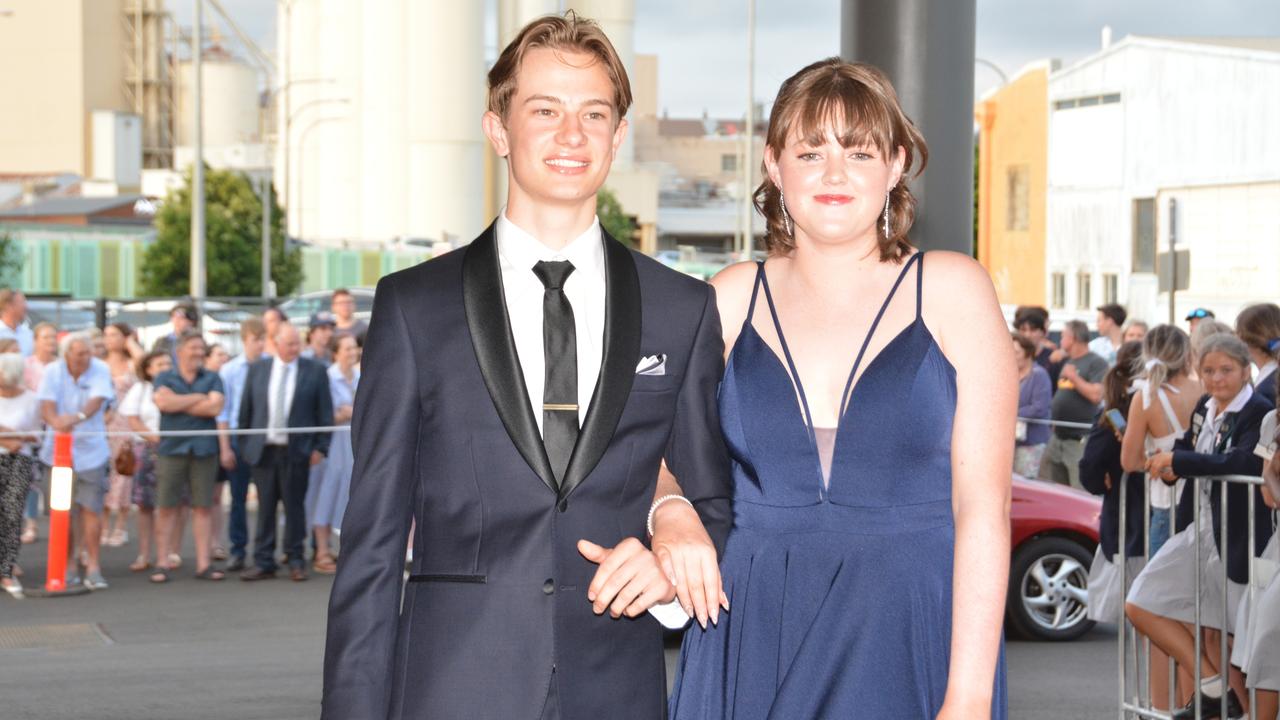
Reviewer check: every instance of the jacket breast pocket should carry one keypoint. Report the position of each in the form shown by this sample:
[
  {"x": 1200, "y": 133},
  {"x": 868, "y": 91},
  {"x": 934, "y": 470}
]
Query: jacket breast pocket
[{"x": 655, "y": 383}]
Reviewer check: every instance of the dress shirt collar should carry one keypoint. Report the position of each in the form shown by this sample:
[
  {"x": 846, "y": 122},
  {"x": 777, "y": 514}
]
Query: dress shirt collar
[
  {"x": 1267, "y": 369},
  {"x": 1242, "y": 397},
  {"x": 519, "y": 249},
  {"x": 279, "y": 365}
]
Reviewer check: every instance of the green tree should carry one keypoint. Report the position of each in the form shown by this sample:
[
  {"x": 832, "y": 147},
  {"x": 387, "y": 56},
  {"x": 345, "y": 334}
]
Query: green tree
[
  {"x": 233, "y": 236},
  {"x": 11, "y": 260},
  {"x": 614, "y": 219}
]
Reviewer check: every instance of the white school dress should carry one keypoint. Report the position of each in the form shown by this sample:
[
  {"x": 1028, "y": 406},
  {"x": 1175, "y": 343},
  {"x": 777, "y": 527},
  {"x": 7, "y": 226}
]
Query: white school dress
[
  {"x": 1258, "y": 623},
  {"x": 1166, "y": 586}
]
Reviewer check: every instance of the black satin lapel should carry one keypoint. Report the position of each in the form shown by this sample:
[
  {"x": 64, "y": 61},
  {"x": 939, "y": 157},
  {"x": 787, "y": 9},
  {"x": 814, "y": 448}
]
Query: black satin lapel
[
  {"x": 617, "y": 365},
  {"x": 495, "y": 349}
]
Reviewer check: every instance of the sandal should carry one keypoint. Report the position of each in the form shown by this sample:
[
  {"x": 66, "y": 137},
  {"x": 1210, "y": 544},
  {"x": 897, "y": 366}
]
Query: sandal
[
  {"x": 219, "y": 553},
  {"x": 325, "y": 565},
  {"x": 160, "y": 575},
  {"x": 175, "y": 561},
  {"x": 211, "y": 573},
  {"x": 140, "y": 564}
]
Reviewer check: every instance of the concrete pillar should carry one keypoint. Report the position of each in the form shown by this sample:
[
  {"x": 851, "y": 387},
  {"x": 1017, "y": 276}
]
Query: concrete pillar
[{"x": 926, "y": 47}]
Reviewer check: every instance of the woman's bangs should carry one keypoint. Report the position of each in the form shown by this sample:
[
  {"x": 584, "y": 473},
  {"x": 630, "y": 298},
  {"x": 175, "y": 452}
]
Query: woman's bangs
[{"x": 849, "y": 111}]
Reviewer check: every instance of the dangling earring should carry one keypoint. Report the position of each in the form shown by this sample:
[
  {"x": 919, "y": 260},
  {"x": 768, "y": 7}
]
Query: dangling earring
[
  {"x": 786, "y": 218},
  {"x": 886, "y": 215}
]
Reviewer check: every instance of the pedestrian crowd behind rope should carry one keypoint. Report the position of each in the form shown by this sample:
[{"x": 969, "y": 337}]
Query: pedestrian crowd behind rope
[{"x": 146, "y": 489}]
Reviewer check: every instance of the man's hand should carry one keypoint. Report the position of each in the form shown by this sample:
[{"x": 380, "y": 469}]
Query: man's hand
[
  {"x": 227, "y": 457},
  {"x": 686, "y": 554},
  {"x": 1069, "y": 373},
  {"x": 317, "y": 457},
  {"x": 65, "y": 423},
  {"x": 628, "y": 581}
]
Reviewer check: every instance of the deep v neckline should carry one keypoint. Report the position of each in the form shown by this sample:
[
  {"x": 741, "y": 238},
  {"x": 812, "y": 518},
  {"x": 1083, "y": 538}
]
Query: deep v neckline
[{"x": 851, "y": 387}]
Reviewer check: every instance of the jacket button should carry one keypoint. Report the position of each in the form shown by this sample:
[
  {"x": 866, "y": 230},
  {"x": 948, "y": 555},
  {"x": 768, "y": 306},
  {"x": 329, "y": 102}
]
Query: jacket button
[
  {"x": 548, "y": 587},
  {"x": 564, "y": 505}
]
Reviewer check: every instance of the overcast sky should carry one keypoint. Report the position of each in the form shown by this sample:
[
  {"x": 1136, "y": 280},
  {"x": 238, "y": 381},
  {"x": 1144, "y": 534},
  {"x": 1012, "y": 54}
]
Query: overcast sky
[{"x": 701, "y": 44}]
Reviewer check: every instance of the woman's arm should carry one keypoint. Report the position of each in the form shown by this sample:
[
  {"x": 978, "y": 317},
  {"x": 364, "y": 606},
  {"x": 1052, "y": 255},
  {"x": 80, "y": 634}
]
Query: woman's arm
[
  {"x": 1133, "y": 451},
  {"x": 981, "y": 455}
]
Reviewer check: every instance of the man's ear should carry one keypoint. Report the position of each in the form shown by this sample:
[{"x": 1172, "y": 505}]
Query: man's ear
[
  {"x": 496, "y": 132},
  {"x": 619, "y": 135}
]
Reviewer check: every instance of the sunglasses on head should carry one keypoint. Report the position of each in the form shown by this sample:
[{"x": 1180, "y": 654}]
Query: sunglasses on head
[{"x": 1199, "y": 313}]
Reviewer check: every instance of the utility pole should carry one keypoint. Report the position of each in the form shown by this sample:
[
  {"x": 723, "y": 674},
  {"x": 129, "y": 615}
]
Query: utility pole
[
  {"x": 197, "y": 182},
  {"x": 748, "y": 174},
  {"x": 267, "y": 289}
]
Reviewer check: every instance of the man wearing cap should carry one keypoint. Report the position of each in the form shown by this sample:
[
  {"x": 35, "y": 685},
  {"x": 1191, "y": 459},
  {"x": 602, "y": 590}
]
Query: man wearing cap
[
  {"x": 319, "y": 333},
  {"x": 183, "y": 318},
  {"x": 1195, "y": 316}
]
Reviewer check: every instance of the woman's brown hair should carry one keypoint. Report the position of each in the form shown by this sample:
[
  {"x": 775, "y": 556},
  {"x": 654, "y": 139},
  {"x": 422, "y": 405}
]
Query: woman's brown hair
[
  {"x": 1259, "y": 327},
  {"x": 567, "y": 33},
  {"x": 857, "y": 102},
  {"x": 1117, "y": 383}
]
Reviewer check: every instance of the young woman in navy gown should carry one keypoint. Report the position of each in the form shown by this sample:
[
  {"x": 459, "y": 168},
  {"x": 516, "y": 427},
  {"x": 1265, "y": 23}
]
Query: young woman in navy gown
[{"x": 868, "y": 404}]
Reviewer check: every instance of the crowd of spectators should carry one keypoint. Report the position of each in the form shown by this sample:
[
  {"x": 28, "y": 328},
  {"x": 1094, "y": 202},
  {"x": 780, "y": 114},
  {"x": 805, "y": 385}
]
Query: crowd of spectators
[
  {"x": 137, "y": 483},
  {"x": 1149, "y": 409}
]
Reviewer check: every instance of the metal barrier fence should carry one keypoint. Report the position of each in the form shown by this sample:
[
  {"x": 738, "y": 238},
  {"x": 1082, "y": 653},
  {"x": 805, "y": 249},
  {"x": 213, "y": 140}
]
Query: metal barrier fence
[{"x": 1136, "y": 703}]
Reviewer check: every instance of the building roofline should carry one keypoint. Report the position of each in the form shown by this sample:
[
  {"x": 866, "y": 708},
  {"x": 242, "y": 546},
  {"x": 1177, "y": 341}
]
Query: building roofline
[{"x": 1192, "y": 45}]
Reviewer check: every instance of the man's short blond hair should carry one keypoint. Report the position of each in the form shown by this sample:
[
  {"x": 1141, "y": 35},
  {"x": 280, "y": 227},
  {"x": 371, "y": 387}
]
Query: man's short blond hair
[{"x": 569, "y": 33}]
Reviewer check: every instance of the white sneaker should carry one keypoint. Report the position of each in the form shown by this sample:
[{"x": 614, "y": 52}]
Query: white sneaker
[{"x": 95, "y": 581}]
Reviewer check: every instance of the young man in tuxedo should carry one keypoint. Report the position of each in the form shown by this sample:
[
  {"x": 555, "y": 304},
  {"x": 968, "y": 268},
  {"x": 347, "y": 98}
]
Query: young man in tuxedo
[{"x": 518, "y": 397}]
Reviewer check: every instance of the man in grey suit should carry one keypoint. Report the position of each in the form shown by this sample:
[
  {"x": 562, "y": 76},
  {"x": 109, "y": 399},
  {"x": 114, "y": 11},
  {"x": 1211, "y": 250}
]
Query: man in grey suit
[
  {"x": 285, "y": 391},
  {"x": 517, "y": 398}
]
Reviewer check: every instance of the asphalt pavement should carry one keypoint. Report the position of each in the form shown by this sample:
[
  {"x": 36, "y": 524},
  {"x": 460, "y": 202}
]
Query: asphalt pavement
[{"x": 254, "y": 651}]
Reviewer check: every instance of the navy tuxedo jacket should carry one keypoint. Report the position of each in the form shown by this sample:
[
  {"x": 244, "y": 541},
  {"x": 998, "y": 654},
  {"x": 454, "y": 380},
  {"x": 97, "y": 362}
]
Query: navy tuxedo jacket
[
  {"x": 1238, "y": 438},
  {"x": 312, "y": 407},
  {"x": 444, "y": 434}
]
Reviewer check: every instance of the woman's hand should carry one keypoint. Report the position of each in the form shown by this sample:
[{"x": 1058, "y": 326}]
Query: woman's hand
[
  {"x": 1161, "y": 465},
  {"x": 688, "y": 557}
]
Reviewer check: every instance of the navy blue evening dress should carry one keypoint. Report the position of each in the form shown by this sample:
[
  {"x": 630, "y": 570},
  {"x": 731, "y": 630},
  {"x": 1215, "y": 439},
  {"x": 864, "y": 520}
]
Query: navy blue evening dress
[{"x": 840, "y": 591}]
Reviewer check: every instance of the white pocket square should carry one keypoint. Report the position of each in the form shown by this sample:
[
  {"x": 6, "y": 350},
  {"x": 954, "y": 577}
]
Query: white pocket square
[{"x": 652, "y": 365}]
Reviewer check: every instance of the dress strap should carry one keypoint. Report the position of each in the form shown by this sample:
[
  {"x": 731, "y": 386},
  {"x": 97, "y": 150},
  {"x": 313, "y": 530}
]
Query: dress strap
[
  {"x": 786, "y": 352},
  {"x": 755, "y": 289},
  {"x": 919, "y": 281},
  {"x": 866, "y": 342},
  {"x": 1169, "y": 415}
]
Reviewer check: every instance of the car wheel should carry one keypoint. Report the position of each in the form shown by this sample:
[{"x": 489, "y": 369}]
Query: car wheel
[{"x": 1049, "y": 590}]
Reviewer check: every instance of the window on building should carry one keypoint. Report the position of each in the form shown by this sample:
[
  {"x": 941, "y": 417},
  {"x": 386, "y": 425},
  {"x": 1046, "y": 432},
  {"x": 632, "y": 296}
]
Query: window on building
[
  {"x": 1090, "y": 101},
  {"x": 1144, "y": 235},
  {"x": 1110, "y": 288},
  {"x": 1018, "y": 198},
  {"x": 1059, "y": 290},
  {"x": 1110, "y": 98},
  {"x": 1084, "y": 289},
  {"x": 1064, "y": 104},
  {"x": 728, "y": 163}
]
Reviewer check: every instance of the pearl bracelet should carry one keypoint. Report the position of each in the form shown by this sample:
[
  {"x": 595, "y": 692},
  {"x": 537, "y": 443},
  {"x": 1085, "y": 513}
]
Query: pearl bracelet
[{"x": 654, "y": 508}]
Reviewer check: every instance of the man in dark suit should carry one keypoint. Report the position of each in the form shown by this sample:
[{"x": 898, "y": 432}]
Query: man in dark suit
[
  {"x": 285, "y": 391},
  {"x": 519, "y": 396}
]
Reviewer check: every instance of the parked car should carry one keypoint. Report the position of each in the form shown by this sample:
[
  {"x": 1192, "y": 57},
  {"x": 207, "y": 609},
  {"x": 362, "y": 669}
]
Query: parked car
[
  {"x": 1055, "y": 533},
  {"x": 300, "y": 308},
  {"x": 219, "y": 321}
]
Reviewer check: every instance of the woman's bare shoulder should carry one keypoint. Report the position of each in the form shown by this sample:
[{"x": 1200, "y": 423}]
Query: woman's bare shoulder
[{"x": 734, "y": 285}]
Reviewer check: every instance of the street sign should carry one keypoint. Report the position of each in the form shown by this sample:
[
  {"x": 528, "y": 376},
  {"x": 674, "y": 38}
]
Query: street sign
[{"x": 1166, "y": 274}]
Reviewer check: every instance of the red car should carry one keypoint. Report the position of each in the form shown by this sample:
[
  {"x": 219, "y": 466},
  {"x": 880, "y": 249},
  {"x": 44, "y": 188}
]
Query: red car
[{"x": 1055, "y": 533}]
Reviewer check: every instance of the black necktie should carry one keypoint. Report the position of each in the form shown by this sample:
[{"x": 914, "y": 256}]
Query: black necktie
[{"x": 560, "y": 350}]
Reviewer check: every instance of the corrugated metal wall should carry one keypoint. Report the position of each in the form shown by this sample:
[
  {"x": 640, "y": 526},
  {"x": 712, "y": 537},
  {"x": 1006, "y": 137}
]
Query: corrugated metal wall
[{"x": 107, "y": 262}]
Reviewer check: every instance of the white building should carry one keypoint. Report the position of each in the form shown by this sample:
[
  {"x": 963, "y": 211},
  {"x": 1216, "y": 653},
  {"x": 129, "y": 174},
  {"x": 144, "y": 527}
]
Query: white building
[{"x": 1156, "y": 138}]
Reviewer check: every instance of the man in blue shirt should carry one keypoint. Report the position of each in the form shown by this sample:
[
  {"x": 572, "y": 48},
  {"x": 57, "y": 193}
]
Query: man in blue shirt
[
  {"x": 74, "y": 394},
  {"x": 13, "y": 320},
  {"x": 189, "y": 398},
  {"x": 253, "y": 337}
]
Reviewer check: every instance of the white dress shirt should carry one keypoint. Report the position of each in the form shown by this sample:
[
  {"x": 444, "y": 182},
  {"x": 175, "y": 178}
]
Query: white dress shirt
[
  {"x": 518, "y": 252},
  {"x": 290, "y": 378}
]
